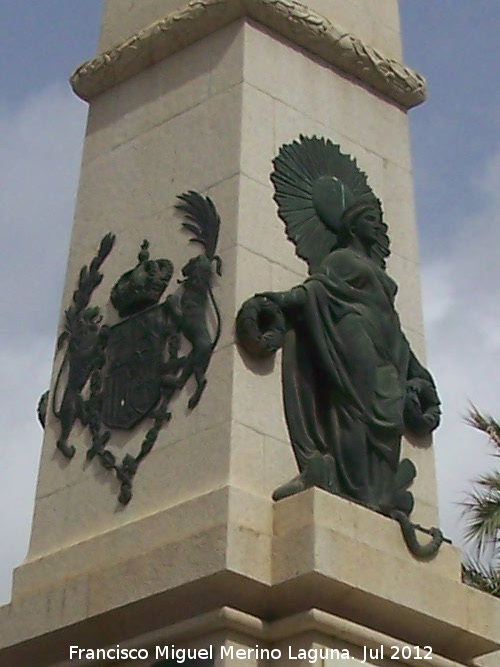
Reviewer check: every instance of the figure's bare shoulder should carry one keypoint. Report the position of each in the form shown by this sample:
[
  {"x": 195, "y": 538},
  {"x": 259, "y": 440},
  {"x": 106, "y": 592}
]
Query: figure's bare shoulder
[{"x": 343, "y": 263}]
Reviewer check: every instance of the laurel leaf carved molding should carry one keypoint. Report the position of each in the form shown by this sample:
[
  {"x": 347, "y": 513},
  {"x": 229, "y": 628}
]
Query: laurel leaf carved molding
[{"x": 288, "y": 18}]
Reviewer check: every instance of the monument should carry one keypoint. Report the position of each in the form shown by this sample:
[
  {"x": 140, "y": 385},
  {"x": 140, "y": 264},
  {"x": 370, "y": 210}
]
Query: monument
[{"x": 181, "y": 511}]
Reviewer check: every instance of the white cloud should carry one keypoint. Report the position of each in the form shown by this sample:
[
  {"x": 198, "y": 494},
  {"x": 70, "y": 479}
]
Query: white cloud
[
  {"x": 438, "y": 292},
  {"x": 40, "y": 156},
  {"x": 24, "y": 372},
  {"x": 462, "y": 307},
  {"x": 39, "y": 164}
]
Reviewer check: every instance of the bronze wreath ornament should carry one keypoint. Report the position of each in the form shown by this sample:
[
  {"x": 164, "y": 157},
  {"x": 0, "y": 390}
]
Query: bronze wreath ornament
[{"x": 260, "y": 326}]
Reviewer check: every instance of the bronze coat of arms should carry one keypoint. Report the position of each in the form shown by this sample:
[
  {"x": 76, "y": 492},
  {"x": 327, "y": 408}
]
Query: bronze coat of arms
[{"x": 113, "y": 377}]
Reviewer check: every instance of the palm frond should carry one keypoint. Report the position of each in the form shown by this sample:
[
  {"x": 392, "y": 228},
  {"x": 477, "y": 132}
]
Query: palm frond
[
  {"x": 204, "y": 221},
  {"x": 482, "y": 512},
  {"x": 483, "y": 577},
  {"x": 479, "y": 580},
  {"x": 485, "y": 424},
  {"x": 491, "y": 483},
  {"x": 482, "y": 509}
]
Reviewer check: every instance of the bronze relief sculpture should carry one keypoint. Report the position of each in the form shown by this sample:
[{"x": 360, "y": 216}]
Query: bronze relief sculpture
[
  {"x": 113, "y": 377},
  {"x": 351, "y": 383}
]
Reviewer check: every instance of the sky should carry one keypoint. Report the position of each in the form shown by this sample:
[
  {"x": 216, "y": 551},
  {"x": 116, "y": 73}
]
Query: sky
[{"x": 456, "y": 162}]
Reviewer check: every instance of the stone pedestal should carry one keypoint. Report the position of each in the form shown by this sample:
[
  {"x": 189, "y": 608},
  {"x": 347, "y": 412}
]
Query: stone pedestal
[
  {"x": 201, "y": 98},
  {"x": 311, "y": 570}
]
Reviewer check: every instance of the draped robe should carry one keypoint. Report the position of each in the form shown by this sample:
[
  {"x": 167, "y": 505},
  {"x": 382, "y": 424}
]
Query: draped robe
[{"x": 346, "y": 363}]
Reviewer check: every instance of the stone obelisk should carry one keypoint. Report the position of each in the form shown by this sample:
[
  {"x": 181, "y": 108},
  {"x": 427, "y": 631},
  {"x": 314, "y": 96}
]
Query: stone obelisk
[{"x": 200, "y": 97}]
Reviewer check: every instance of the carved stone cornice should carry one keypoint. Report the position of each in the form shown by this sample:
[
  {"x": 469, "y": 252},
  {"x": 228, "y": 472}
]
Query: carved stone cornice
[{"x": 288, "y": 18}]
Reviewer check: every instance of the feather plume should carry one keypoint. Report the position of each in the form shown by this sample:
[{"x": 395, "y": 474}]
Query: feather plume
[
  {"x": 204, "y": 221},
  {"x": 298, "y": 169}
]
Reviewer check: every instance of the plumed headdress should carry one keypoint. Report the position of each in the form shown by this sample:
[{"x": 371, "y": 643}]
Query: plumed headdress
[{"x": 315, "y": 185}]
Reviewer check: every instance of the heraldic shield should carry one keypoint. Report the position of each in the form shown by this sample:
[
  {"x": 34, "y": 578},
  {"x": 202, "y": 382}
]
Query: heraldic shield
[
  {"x": 133, "y": 371},
  {"x": 113, "y": 377}
]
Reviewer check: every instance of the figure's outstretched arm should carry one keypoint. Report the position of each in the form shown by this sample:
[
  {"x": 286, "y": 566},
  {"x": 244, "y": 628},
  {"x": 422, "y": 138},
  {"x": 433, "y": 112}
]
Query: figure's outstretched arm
[{"x": 290, "y": 300}]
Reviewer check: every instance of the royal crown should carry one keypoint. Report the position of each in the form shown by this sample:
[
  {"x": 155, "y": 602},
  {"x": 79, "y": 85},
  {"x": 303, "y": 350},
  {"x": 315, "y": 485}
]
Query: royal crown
[{"x": 142, "y": 286}]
